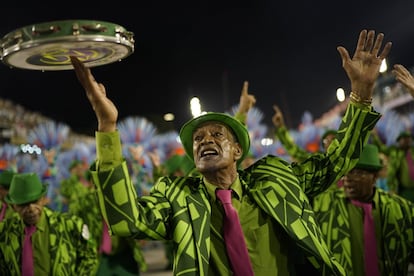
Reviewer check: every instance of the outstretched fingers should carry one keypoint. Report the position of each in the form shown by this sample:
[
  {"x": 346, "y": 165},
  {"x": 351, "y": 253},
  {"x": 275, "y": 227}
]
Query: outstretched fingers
[
  {"x": 369, "y": 42},
  {"x": 378, "y": 44},
  {"x": 361, "y": 41},
  {"x": 386, "y": 50}
]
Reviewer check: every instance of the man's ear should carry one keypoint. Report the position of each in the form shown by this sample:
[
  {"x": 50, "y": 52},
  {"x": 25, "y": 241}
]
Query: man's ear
[{"x": 238, "y": 151}]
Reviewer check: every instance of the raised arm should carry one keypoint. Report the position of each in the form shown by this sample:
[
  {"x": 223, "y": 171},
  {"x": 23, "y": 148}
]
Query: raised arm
[
  {"x": 282, "y": 133},
  {"x": 359, "y": 118},
  {"x": 105, "y": 110}
]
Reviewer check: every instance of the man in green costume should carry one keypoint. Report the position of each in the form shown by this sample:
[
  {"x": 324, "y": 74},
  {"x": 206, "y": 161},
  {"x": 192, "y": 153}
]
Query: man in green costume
[
  {"x": 342, "y": 222},
  {"x": 271, "y": 196},
  {"x": 62, "y": 244}
]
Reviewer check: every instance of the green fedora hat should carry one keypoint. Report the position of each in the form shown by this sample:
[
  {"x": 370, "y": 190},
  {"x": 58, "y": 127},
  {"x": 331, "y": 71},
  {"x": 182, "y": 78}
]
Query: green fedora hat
[
  {"x": 403, "y": 134},
  {"x": 328, "y": 132},
  {"x": 25, "y": 188},
  {"x": 241, "y": 132},
  {"x": 6, "y": 178},
  {"x": 369, "y": 159}
]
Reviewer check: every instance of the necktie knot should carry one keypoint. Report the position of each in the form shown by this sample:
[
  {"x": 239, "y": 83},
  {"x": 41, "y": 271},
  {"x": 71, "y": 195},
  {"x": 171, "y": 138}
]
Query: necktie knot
[
  {"x": 29, "y": 230},
  {"x": 224, "y": 196},
  {"x": 367, "y": 206}
]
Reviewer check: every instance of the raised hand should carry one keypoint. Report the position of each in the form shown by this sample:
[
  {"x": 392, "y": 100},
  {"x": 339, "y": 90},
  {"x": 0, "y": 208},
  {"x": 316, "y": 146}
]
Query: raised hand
[
  {"x": 363, "y": 68},
  {"x": 404, "y": 76},
  {"x": 105, "y": 110},
  {"x": 277, "y": 119},
  {"x": 246, "y": 100}
]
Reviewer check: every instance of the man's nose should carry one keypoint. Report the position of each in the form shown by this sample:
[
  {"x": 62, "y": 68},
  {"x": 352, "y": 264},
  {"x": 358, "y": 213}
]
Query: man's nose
[{"x": 207, "y": 139}]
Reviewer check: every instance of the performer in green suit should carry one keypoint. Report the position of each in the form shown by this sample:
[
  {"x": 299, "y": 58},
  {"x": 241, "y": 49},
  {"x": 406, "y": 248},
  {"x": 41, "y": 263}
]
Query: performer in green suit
[
  {"x": 342, "y": 222},
  {"x": 61, "y": 244},
  {"x": 271, "y": 196}
]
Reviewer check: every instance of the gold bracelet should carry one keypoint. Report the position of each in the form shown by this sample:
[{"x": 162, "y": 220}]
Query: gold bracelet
[{"x": 355, "y": 98}]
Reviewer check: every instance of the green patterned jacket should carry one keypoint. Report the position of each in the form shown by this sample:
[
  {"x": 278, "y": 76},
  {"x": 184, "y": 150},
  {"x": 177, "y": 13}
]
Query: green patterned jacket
[
  {"x": 70, "y": 253},
  {"x": 178, "y": 208},
  {"x": 397, "y": 225}
]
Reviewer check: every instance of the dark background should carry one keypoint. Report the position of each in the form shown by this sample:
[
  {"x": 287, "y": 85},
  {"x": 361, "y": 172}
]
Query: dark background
[{"x": 285, "y": 49}]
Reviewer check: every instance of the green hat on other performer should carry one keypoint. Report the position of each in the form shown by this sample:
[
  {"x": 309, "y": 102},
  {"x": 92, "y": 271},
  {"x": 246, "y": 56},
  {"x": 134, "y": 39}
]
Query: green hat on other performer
[
  {"x": 403, "y": 134},
  {"x": 25, "y": 188},
  {"x": 369, "y": 159},
  {"x": 6, "y": 178}
]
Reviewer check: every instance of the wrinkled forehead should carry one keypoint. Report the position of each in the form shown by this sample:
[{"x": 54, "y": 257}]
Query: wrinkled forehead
[{"x": 213, "y": 125}]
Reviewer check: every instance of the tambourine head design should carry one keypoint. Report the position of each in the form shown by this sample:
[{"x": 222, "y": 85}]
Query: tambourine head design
[{"x": 48, "y": 46}]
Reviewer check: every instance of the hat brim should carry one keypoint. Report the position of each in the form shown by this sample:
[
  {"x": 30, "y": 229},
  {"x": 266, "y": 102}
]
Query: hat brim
[
  {"x": 403, "y": 135},
  {"x": 369, "y": 167},
  {"x": 26, "y": 199},
  {"x": 241, "y": 132},
  {"x": 329, "y": 132}
]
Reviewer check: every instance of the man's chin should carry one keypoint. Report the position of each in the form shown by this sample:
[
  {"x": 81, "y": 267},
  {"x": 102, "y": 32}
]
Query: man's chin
[{"x": 207, "y": 165}]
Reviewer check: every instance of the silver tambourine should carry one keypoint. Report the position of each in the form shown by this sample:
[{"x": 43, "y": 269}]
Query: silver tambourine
[{"x": 48, "y": 46}]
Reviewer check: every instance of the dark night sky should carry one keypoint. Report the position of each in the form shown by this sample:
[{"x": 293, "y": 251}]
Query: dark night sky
[{"x": 207, "y": 49}]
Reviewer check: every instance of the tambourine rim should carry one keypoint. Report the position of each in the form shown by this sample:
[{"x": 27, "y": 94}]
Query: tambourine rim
[
  {"x": 8, "y": 60},
  {"x": 71, "y": 39},
  {"x": 10, "y": 53}
]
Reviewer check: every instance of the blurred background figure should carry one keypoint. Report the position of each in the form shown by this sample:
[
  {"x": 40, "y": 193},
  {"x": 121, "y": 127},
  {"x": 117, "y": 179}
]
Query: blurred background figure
[
  {"x": 60, "y": 244},
  {"x": 348, "y": 213}
]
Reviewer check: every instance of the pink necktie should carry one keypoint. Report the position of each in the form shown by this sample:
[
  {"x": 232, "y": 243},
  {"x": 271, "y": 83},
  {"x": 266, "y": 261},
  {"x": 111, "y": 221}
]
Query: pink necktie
[
  {"x": 410, "y": 164},
  {"x": 3, "y": 211},
  {"x": 234, "y": 237},
  {"x": 27, "y": 255},
  {"x": 106, "y": 246},
  {"x": 370, "y": 244}
]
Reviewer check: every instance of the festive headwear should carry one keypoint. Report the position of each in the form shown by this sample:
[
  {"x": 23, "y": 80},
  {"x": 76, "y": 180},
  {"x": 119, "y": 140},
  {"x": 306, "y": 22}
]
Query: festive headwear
[
  {"x": 25, "y": 188},
  {"x": 242, "y": 135},
  {"x": 328, "y": 132},
  {"x": 6, "y": 178},
  {"x": 369, "y": 159},
  {"x": 403, "y": 134}
]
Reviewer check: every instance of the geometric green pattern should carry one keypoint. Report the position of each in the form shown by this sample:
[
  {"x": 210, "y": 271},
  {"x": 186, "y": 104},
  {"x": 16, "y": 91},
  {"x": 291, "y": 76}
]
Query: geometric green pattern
[
  {"x": 397, "y": 224},
  {"x": 178, "y": 208},
  {"x": 70, "y": 254}
]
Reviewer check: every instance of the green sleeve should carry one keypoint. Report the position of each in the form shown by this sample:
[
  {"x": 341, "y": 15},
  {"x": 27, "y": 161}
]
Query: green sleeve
[
  {"x": 342, "y": 154},
  {"x": 291, "y": 147},
  {"x": 108, "y": 150}
]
